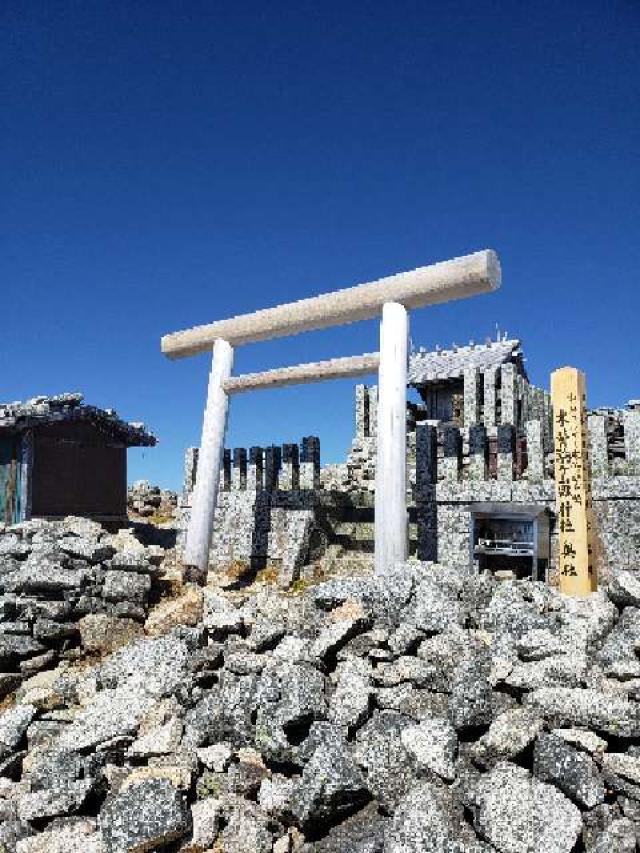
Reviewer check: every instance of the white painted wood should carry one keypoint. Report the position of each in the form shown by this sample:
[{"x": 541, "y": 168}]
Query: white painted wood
[
  {"x": 454, "y": 279},
  {"x": 214, "y": 426},
  {"x": 300, "y": 374},
  {"x": 391, "y": 464}
]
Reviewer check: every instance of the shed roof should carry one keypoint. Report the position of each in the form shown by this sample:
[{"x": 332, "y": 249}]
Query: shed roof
[
  {"x": 39, "y": 411},
  {"x": 445, "y": 364}
]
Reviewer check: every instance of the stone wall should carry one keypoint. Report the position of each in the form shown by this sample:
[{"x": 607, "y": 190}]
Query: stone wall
[
  {"x": 266, "y": 513},
  {"x": 254, "y": 530},
  {"x": 68, "y": 582},
  {"x": 616, "y": 502}
]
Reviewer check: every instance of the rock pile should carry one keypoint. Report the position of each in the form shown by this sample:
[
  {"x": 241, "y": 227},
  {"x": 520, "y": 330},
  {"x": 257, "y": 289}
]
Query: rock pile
[
  {"x": 410, "y": 712},
  {"x": 68, "y": 583},
  {"x": 146, "y": 500}
]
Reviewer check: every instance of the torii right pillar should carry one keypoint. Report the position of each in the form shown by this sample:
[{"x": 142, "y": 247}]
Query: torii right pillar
[
  {"x": 573, "y": 483},
  {"x": 391, "y": 458}
]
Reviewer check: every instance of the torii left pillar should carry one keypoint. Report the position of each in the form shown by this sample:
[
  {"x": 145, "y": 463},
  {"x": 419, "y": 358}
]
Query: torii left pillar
[{"x": 214, "y": 426}]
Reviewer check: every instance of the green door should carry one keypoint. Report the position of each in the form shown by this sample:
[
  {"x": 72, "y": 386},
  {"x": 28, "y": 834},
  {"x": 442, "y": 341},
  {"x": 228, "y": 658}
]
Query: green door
[{"x": 10, "y": 480}]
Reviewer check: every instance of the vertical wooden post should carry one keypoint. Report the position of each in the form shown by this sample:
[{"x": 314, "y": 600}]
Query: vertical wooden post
[
  {"x": 573, "y": 486},
  {"x": 391, "y": 498},
  {"x": 214, "y": 426}
]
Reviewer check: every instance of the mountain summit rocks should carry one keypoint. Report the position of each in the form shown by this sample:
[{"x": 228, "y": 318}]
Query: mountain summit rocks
[{"x": 372, "y": 714}]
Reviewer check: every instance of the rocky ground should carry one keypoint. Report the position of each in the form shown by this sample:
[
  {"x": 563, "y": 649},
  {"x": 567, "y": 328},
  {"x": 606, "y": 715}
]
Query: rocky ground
[{"x": 410, "y": 712}]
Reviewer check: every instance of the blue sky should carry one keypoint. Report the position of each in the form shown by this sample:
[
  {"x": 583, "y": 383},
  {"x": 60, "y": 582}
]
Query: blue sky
[{"x": 169, "y": 164}]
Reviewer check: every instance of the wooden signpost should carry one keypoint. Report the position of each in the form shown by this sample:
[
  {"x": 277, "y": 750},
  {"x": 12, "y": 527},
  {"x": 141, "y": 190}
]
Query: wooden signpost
[
  {"x": 390, "y": 297},
  {"x": 573, "y": 483}
]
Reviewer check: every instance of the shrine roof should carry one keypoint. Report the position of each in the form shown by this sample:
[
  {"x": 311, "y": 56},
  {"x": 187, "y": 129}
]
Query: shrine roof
[
  {"x": 444, "y": 364},
  {"x": 39, "y": 411}
]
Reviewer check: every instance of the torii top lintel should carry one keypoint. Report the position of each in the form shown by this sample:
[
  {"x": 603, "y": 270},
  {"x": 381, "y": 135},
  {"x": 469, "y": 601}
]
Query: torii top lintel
[{"x": 454, "y": 279}]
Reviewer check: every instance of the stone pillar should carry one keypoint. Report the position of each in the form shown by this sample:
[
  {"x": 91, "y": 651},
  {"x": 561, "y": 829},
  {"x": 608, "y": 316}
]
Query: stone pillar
[
  {"x": 289, "y": 479},
  {"x": 426, "y": 459},
  {"x": 391, "y": 521},
  {"x": 508, "y": 394},
  {"x": 452, "y": 448},
  {"x": 547, "y": 422},
  {"x": 272, "y": 457},
  {"x": 478, "y": 452},
  {"x": 310, "y": 463},
  {"x": 598, "y": 449},
  {"x": 239, "y": 471},
  {"x": 255, "y": 471},
  {"x": 372, "y": 392},
  {"x": 362, "y": 415},
  {"x": 506, "y": 451},
  {"x": 490, "y": 394},
  {"x": 205, "y": 493},
  {"x": 471, "y": 396},
  {"x": 426, "y": 477},
  {"x": 535, "y": 408},
  {"x": 525, "y": 396},
  {"x": 631, "y": 421},
  {"x": 190, "y": 469},
  {"x": 225, "y": 471},
  {"x": 535, "y": 452}
]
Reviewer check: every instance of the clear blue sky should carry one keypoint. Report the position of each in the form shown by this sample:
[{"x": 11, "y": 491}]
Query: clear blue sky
[{"x": 170, "y": 163}]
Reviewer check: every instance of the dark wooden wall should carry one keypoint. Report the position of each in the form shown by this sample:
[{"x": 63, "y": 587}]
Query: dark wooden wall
[{"x": 77, "y": 470}]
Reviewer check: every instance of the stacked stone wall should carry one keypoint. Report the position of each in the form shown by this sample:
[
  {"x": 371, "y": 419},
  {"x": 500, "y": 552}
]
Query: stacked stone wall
[{"x": 66, "y": 583}]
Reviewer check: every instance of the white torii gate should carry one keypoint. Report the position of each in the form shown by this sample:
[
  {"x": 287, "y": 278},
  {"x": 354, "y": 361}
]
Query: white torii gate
[{"x": 391, "y": 296}]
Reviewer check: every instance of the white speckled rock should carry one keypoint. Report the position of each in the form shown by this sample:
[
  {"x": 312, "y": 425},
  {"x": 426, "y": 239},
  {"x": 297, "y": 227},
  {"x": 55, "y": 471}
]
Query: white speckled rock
[
  {"x": 145, "y": 816},
  {"x": 13, "y": 724},
  {"x": 429, "y": 820},
  {"x": 112, "y": 713},
  {"x": 595, "y": 709},
  {"x": 247, "y": 829},
  {"x": 582, "y": 738},
  {"x": 572, "y": 771},
  {"x": 623, "y": 765},
  {"x": 215, "y": 757},
  {"x": 350, "y": 701},
  {"x": 508, "y": 735},
  {"x": 206, "y": 819},
  {"x": 79, "y": 836},
  {"x": 433, "y": 744},
  {"x": 518, "y": 814},
  {"x": 158, "y": 741},
  {"x": 624, "y": 588}
]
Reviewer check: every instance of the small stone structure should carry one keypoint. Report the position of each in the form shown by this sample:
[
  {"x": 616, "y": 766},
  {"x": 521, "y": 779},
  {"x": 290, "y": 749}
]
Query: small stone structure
[
  {"x": 147, "y": 501},
  {"x": 59, "y": 456},
  {"x": 479, "y": 442}
]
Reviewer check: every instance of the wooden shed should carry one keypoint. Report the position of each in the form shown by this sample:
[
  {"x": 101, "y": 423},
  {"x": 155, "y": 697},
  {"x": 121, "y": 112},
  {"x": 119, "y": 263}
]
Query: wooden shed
[{"x": 60, "y": 457}]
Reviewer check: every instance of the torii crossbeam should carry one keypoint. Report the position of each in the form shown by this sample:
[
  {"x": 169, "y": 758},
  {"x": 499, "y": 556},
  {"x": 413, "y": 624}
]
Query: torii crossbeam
[{"x": 391, "y": 297}]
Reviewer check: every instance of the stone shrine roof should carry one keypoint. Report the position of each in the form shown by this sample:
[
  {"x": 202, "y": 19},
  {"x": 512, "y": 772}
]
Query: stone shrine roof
[
  {"x": 445, "y": 364},
  {"x": 37, "y": 411}
]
